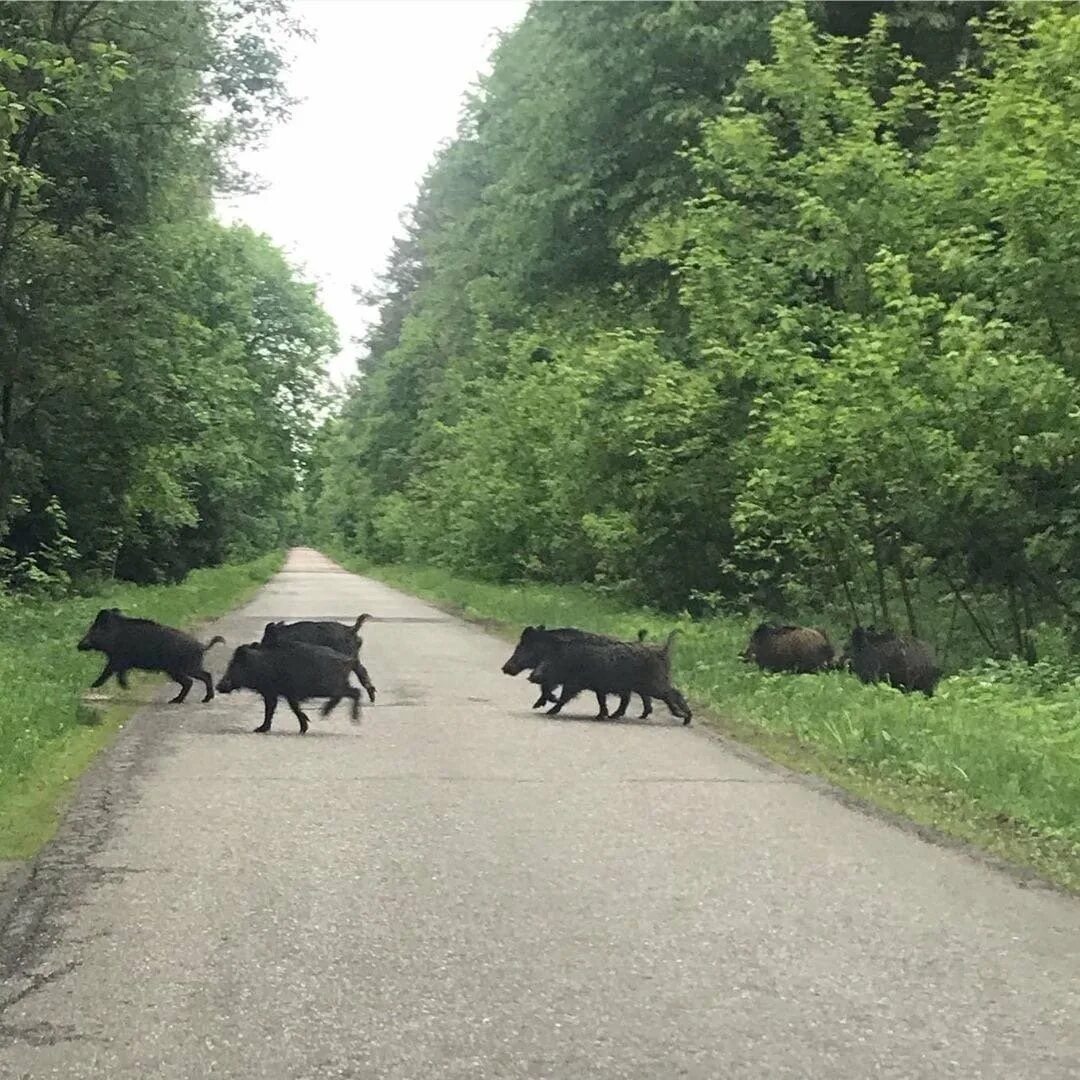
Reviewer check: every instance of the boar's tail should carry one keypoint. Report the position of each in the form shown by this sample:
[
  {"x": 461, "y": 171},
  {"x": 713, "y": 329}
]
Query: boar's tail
[
  {"x": 361, "y": 619},
  {"x": 215, "y": 640}
]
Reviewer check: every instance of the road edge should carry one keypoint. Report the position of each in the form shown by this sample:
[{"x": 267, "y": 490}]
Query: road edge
[{"x": 717, "y": 728}]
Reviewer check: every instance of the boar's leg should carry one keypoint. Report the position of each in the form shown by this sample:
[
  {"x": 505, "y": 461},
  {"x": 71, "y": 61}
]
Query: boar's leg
[
  {"x": 299, "y": 714},
  {"x": 568, "y": 692},
  {"x": 624, "y": 700},
  {"x": 352, "y": 694},
  {"x": 678, "y": 705},
  {"x": 185, "y": 686},
  {"x": 355, "y": 695},
  {"x": 646, "y": 707},
  {"x": 547, "y": 693},
  {"x": 269, "y": 705},
  {"x": 106, "y": 671},
  {"x": 204, "y": 676},
  {"x": 365, "y": 679},
  {"x": 601, "y": 700}
]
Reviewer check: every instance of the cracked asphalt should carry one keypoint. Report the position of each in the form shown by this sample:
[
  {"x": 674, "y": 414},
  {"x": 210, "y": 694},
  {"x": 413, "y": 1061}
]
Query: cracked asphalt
[{"x": 457, "y": 887}]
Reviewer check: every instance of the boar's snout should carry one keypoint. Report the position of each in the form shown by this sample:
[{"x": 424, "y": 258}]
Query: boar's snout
[
  {"x": 528, "y": 654},
  {"x": 224, "y": 685},
  {"x": 85, "y": 645}
]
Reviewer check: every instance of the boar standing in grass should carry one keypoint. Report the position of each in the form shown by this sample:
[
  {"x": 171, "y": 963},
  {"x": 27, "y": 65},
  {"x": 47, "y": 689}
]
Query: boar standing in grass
[
  {"x": 331, "y": 635},
  {"x": 799, "y": 650},
  {"x": 604, "y": 666},
  {"x": 906, "y": 663},
  {"x": 295, "y": 672},
  {"x": 548, "y": 688},
  {"x": 146, "y": 645}
]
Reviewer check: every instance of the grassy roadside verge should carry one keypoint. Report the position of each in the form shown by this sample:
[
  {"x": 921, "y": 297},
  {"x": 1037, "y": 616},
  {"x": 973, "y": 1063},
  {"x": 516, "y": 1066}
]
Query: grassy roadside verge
[
  {"x": 991, "y": 763},
  {"x": 48, "y": 733}
]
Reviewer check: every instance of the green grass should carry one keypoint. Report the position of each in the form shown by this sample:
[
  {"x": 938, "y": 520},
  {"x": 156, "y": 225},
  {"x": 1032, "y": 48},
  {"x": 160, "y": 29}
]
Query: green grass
[
  {"x": 48, "y": 732},
  {"x": 992, "y": 759}
]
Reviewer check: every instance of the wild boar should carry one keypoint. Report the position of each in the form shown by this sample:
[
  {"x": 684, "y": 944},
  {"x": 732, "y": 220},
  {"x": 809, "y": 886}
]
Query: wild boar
[
  {"x": 332, "y": 635},
  {"x": 146, "y": 645},
  {"x": 603, "y": 666},
  {"x": 796, "y": 649},
  {"x": 547, "y": 688},
  {"x": 295, "y": 672},
  {"x": 906, "y": 663}
]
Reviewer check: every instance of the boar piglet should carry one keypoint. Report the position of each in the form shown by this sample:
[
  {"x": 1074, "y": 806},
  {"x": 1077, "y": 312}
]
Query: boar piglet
[
  {"x": 331, "y": 635},
  {"x": 294, "y": 672},
  {"x": 147, "y": 646}
]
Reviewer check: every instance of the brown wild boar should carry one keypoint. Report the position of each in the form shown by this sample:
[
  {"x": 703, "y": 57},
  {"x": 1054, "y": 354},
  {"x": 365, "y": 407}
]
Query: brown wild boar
[{"x": 800, "y": 650}]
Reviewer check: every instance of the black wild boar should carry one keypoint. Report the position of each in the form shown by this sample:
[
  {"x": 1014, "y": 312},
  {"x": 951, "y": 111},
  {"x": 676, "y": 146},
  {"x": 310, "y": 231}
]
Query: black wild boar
[
  {"x": 147, "y": 646},
  {"x": 901, "y": 661},
  {"x": 294, "y": 671},
  {"x": 605, "y": 666},
  {"x": 330, "y": 634},
  {"x": 796, "y": 649},
  {"x": 547, "y": 687}
]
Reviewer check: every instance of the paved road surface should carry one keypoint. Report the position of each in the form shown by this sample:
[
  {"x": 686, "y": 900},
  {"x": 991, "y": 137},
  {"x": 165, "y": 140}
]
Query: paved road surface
[{"x": 459, "y": 888}]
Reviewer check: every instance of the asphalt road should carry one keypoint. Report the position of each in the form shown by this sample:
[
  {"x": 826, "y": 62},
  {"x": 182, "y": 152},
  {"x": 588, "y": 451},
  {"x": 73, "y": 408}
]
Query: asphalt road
[{"x": 458, "y": 887}]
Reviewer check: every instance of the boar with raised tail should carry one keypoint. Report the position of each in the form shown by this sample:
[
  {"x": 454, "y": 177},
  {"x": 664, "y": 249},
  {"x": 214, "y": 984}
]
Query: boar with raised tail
[
  {"x": 294, "y": 672},
  {"x": 330, "y": 634},
  {"x": 146, "y": 645},
  {"x": 603, "y": 666},
  {"x": 906, "y": 663},
  {"x": 796, "y": 649}
]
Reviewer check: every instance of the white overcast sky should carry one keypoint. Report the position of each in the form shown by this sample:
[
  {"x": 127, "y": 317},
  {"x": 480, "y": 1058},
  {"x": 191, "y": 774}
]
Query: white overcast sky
[{"x": 380, "y": 87}]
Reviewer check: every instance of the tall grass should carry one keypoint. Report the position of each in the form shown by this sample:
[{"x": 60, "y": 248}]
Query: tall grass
[{"x": 994, "y": 756}]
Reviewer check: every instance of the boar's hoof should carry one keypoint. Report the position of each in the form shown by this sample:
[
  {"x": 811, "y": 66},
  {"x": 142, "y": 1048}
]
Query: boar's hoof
[{"x": 262, "y": 729}]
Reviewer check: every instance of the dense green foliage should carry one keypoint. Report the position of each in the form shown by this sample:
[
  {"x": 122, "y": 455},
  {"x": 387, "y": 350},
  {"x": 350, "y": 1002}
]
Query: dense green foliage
[
  {"x": 158, "y": 370},
  {"x": 728, "y": 305}
]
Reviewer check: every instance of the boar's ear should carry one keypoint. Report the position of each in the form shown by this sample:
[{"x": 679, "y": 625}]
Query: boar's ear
[{"x": 541, "y": 628}]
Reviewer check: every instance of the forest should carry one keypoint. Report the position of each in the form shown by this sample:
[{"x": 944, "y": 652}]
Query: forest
[
  {"x": 160, "y": 372},
  {"x": 742, "y": 307}
]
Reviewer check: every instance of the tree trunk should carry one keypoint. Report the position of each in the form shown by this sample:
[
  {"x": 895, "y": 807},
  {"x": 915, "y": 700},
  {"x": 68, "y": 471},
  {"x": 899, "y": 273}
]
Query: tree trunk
[
  {"x": 905, "y": 592},
  {"x": 882, "y": 585},
  {"x": 975, "y": 621}
]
